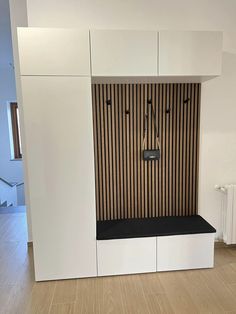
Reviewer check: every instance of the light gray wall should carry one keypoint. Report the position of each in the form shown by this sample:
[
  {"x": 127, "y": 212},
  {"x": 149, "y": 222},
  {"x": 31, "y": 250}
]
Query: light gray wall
[
  {"x": 18, "y": 13},
  {"x": 9, "y": 170},
  {"x": 137, "y": 14}
]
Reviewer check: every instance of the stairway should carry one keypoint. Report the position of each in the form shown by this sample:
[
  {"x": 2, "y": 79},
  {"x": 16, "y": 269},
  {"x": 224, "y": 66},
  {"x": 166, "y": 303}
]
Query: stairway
[
  {"x": 5, "y": 204},
  {"x": 8, "y": 193},
  {"x": 12, "y": 209}
]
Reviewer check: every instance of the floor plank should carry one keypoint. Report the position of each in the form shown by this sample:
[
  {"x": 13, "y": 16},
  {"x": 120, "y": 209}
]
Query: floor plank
[
  {"x": 65, "y": 291},
  {"x": 220, "y": 290},
  {"x": 178, "y": 295},
  {"x": 41, "y": 298},
  {"x": 201, "y": 295},
  {"x": 66, "y": 308}
]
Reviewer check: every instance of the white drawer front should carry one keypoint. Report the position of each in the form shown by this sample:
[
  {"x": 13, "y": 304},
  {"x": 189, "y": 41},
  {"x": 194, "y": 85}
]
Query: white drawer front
[
  {"x": 185, "y": 252},
  {"x": 126, "y": 256}
]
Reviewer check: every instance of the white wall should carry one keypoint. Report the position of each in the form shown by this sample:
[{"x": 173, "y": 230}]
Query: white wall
[
  {"x": 218, "y": 152},
  {"x": 218, "y": 125},
  {"x": 18, "y": 12},
  {"x": 9, "y": 170},
  {"x": 140, "y": 14}
]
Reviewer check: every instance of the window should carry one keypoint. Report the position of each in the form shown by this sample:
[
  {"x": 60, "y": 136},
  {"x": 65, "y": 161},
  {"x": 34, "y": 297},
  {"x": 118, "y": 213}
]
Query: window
[{"x": 16, "y": 130}]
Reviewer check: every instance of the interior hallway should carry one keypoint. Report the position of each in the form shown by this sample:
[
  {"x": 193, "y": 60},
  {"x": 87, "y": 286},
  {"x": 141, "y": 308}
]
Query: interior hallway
[{"x": 197, "y": 291}]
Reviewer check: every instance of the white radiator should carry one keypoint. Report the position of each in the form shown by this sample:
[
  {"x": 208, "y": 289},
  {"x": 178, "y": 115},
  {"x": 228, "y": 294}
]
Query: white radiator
[{"x": 228, "y": 212}]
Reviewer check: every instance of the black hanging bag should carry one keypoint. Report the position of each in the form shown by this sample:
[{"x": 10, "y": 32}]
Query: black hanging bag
[{"x": 151, "y": 154}]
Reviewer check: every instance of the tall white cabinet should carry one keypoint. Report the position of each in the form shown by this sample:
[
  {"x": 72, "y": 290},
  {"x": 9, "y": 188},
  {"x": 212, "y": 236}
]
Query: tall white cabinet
[
  {"x": 59, "y": 141},
  {"x": 56, "y": 91}
]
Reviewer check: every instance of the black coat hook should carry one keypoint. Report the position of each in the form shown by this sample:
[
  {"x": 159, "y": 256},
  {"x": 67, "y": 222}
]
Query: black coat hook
[
  {"x": 108, "y": 102},
  {"x": 186, "y": 100}
]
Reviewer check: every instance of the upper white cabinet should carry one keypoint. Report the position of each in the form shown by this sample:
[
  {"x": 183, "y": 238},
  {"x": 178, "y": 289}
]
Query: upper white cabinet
[
  {"x": 190, "y": 53},
  {"x": 48, "y": 51},
  {"x": 120, "y": 53},
  {"x": 124, "y": 53}
]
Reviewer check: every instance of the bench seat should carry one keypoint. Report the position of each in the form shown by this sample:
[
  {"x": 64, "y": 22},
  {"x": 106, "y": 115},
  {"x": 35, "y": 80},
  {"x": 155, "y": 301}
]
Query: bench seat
[
  {"x": 151, "y": 227},
  {"x": 154, "y": 244}
]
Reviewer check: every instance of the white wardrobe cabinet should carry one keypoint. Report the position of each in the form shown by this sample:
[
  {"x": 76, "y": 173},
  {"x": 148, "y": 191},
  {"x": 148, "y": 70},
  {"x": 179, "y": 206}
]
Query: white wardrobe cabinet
[
  {"x": 59, "y": 144},
  {"x": 190, "y": 53},
  {"x": 52, "y": 51},
  {"x": 124, "y": 53}
]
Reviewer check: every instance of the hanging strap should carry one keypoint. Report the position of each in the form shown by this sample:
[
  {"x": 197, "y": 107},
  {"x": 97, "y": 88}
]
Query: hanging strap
[{"x": 153, "y": 115}]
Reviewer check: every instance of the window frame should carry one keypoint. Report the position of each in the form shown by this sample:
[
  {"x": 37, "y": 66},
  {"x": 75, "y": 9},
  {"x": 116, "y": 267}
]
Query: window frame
[{"x": 15, "y": 131}]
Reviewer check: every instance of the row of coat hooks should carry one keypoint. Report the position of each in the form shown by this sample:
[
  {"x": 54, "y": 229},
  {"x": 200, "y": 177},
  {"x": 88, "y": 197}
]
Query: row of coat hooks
[
  {"x": 149, "y": 101},
  {"x": 153, "y": 153}
]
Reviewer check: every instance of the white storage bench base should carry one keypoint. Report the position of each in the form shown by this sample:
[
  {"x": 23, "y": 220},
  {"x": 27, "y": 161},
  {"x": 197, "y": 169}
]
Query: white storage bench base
[
  {"x": 156, "y": 244},
  {"x": 126, "y": 256},
  {"x": 185, "y": 251}
]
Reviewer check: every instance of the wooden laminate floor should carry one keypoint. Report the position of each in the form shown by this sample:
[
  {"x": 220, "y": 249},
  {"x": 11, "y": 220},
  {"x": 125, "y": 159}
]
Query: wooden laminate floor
[{"x": 197, "y": 291}]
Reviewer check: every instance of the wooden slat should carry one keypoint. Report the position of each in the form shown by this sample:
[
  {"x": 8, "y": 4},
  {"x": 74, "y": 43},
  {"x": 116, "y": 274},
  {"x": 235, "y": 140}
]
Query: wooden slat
[{"x": 126, "y": 185}]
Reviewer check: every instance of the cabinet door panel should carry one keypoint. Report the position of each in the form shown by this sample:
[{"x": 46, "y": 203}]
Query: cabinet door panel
[
  {"x": 60, "y": 161},
  {"x": 126, "y": 256},
  {"x": 124, "y": 53},
  {"x": 187, "y": 251},
  {"x": 190, "y": 53},
  {"x": 45, "y": 51}
]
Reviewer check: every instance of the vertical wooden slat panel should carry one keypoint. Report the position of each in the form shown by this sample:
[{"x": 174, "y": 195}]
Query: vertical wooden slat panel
[
  {"x": 113, "y": 149},
  {"x": 198, "y": 143},
  {"x": 191, "y": 137},
  {"x": 116, "y": 149},
  {"x": 126, "y": 185},
  {"x": 187, "y": 197},
  {"x": 161, "y": 161},
  {"x": 144, "y": 104},
  {"x": 194, "y": 144},
  {"x": 149, "y": 143},
  {"x": 109, "y": 152},
  {"x": 174, "y": 148},
  {"x": 170, "y": 176},
  {"x": 154, "y": 164},
  {"x": 177, "y": 136},
  {"x": 163, "y": 150},
  {"x": 124, "y": 164},
  {"x": 185, "y": 106},
  {"x": 167, "y": 126},
  {"x": 139, "y": 149},
  {"x": 120, "y": 144}
]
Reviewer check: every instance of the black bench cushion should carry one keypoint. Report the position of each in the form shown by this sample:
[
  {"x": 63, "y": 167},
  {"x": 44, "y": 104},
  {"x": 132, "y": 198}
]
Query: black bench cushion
[{"x": 151, "y": 227}]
